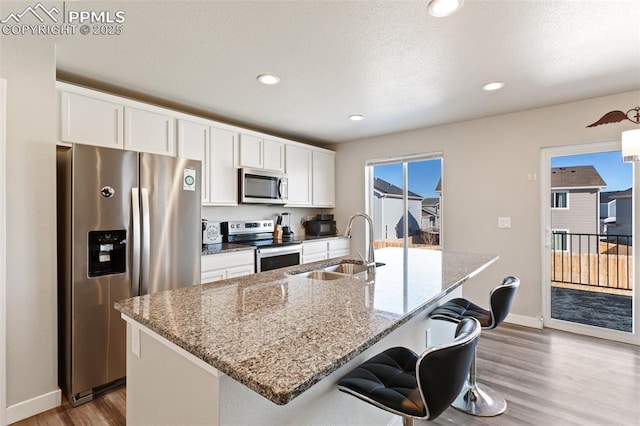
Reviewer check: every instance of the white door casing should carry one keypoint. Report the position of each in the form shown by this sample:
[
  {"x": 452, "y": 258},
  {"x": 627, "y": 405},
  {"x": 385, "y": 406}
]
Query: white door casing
[{"x": 546, "y": 239}]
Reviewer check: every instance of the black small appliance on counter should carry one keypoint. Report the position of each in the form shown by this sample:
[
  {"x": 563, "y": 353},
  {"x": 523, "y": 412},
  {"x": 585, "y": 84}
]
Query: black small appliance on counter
[{"x": 322, "y": 225}]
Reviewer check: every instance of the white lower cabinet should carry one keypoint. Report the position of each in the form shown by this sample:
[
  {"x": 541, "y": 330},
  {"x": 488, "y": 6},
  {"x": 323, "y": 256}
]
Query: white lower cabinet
[
  {"x": 313, "y": 251},
  {"x": 220, "y": 266},
  {"x": 339, "y": 247}
]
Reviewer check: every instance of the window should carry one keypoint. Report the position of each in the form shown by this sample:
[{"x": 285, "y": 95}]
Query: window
[
  {"x": 560, "y": 240},
  {"x": 559, "y": 200},
  {"x": 405, "y": 197}
]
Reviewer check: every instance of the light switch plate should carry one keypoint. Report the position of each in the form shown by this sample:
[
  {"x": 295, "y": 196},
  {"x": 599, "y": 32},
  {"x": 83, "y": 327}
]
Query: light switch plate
[{"x": 504, "y": 222}]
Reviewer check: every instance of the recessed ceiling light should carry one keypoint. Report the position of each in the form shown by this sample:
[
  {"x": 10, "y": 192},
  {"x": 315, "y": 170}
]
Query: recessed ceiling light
[
  {"x": 442, "y": 8},
  {"x": 356, "y": 117},
  {"x": 268, "y": 79},
  {"x": 493, "y": 85}
]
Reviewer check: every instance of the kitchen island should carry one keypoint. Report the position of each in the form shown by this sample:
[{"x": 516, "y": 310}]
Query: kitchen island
[{"x": 268, "y": 348}]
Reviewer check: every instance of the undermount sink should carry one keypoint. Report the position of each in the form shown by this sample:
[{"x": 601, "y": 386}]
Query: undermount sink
[{"x": 334, "y": 272}]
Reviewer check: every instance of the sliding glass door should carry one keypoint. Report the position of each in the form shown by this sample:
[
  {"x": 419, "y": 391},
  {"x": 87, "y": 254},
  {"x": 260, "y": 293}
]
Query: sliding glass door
[
  {"x": 589, "y": 255},
  {"x": 406, "y": 202}
]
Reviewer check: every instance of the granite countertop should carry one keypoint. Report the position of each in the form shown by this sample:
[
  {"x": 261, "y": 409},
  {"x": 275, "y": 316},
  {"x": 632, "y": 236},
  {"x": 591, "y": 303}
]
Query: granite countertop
[{"x": 279, "y": 334}]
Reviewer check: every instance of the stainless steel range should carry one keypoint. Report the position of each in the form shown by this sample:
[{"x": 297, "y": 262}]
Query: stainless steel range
[{"x": 270, "y": 253}]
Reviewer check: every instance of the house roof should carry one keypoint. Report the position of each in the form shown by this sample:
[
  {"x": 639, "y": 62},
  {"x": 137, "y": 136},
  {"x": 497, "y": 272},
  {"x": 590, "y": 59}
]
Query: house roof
[
  {"x": 627, "y": 193},
  {"x": 439, "y": 185},
  {"x": 387, "y": 188},
  {"x": 428, "y": 202},
  {"x": 576, "y": 177}
]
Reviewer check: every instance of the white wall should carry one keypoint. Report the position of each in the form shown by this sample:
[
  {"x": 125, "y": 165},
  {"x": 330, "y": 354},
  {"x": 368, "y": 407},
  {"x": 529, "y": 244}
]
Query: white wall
[
  {"x": 488, "y": 162},
  {"x": 28, "y": 65}
]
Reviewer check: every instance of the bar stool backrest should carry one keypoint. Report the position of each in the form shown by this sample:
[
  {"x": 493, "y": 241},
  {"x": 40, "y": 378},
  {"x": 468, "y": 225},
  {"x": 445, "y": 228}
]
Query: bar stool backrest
[
  {"x": 442, "y": 370},
  {"x": 501, "y": 299}
]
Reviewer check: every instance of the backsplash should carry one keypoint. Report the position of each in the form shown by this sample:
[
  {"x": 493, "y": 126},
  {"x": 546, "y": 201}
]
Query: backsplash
[{"x": 257, "y": 211}]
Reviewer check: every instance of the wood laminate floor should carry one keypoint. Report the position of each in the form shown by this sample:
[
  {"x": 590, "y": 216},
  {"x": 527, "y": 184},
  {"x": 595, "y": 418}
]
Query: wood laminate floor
[{"x": 548, "y": 377}]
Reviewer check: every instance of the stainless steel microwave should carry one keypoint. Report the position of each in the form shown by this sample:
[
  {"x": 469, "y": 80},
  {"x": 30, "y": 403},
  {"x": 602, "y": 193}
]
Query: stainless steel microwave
[{"x": 259, "y": 186}]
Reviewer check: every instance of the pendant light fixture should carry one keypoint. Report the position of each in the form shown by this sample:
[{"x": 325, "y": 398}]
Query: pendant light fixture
[{"x": 631, "y": 146}]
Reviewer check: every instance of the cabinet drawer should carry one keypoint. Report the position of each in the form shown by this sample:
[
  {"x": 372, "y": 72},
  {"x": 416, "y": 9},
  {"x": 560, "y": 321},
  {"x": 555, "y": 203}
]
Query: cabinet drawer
[
  {"x": 314, "y": 247},
  {"x": 339, "y": 244},
  {"x": 227, "y": 260}
]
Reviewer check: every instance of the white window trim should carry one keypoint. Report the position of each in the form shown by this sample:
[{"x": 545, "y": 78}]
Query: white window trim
[{"x": 559, "y": 191}]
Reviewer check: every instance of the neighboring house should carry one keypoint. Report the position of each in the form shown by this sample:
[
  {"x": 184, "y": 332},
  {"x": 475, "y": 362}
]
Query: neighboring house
[
  {"x": 431, "y": 211},
  {"x": 618, "y": 219},
  {"x": 607, "y": 210},
  {"x": 388, "y": 209},
  {"x": 575, "y": 206}
]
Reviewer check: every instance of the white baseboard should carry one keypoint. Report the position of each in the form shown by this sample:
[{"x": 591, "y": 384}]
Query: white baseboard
[
  {"x": 524, "y": 321},
  {"x": 33, "y": 406}
]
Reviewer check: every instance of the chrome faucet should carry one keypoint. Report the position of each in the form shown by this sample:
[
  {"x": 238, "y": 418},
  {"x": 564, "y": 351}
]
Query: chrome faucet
[{"x": 371, "y": 261}]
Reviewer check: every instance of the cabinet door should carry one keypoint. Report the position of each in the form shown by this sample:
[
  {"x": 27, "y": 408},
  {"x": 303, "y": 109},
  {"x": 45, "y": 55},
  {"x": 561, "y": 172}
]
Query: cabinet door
[
  {"x": 149, "y": 131},
  {"x": 224, "y": 167},
  {"x": 314, "y": 257},
  {"x": 91, "y": 121},
  {"x": 193, "y": 143},
  {"x": 250, "y": 151},
  {"x": 240, "y": 271},
  {"x": 324, "y": 178},
  {"x": 211, "y": 276},
  {"x": 273, "y": 155},
  {"x": 298, "y": 170}
]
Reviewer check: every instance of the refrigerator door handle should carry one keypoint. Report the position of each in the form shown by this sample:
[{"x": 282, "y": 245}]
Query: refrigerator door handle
[
  {"x": 146, "y": 241},
  {"x": 135, "y": 242}
]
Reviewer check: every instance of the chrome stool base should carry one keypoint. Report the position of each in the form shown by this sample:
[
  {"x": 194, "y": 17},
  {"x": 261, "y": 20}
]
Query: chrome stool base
[{"x": 480, "y": 400}]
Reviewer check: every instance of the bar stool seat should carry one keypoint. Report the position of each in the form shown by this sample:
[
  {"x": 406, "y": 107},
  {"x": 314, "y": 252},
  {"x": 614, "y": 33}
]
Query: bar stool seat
[
  {"x": 416, "y": 386},
  {"x": 475, "y": 398}
]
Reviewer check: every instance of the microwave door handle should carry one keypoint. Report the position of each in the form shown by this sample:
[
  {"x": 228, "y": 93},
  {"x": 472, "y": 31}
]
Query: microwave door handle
[{"x": 280, "y": 188}]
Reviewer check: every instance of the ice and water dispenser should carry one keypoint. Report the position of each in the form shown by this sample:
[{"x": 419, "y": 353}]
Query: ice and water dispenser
[{"x": 107, "y": 252}]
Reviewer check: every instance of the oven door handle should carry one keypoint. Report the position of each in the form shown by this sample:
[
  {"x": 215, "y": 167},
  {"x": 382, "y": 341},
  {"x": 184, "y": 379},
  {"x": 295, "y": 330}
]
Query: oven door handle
[{"x": 274, "y": 251}]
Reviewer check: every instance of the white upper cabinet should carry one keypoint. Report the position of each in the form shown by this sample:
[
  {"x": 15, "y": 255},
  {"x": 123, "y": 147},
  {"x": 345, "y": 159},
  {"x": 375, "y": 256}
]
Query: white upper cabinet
[
  {"x": 259, "y": 153},
  {"x": 298, "y": 170},
  {"x": 92, "y": 117},
  {"x": 149, "y": 131},
  {"x": 324, "y": 179},
  {"x": 90, "y": 121},
  {"x": 224, "y": 167},
  {"x": 273, "y": 155},
  {"x": 193, "y": 143}
]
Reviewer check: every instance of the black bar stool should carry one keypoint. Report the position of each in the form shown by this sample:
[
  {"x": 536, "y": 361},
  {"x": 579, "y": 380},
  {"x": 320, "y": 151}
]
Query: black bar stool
[
  {"x": 416, "y": 386},
  {"x": 477, "y": 399}
]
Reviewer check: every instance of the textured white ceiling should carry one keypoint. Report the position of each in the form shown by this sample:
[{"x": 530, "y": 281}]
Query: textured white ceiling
[{"x": 389, "y": 60}]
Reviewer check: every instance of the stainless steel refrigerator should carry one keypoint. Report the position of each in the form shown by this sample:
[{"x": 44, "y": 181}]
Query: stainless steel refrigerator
[{"x": 129, "y": 224}]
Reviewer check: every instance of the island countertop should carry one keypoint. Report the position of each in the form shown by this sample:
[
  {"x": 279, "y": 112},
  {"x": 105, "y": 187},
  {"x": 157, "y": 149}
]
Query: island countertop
[{"x": 279, "y": 334}]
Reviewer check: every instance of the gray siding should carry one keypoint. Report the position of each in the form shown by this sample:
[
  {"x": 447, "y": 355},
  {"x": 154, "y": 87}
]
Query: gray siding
[
  {"x": 582, "y": 215},
  {"x": 622, "y": 226}
]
